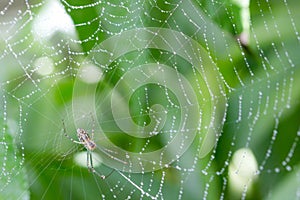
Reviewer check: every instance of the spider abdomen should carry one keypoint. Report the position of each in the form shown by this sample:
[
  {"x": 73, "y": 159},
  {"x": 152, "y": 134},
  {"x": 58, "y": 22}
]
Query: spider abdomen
[{"x": 85, "y": 139}]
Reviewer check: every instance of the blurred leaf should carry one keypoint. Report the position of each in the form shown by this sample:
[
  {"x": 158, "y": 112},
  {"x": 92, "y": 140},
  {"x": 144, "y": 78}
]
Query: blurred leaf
[
  {"x": 261, "y": 115},
  {"x": 87, "y": 21},
  {"x": 231, "y": 15},
  {"x": 288, "y": 188}
]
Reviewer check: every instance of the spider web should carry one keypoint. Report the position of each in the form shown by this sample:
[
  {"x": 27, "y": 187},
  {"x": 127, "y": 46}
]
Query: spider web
[{"x": 187, "y": 99}]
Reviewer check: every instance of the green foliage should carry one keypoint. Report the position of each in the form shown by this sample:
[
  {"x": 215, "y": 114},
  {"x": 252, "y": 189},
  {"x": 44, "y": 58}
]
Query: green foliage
[{"x": 260, "y": 77}]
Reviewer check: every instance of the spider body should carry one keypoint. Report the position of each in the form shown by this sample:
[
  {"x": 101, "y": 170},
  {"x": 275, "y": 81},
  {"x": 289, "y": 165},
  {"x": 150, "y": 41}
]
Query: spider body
[
  {"x": 85, "y": 139},
  {"x": 89, "y": 144}
]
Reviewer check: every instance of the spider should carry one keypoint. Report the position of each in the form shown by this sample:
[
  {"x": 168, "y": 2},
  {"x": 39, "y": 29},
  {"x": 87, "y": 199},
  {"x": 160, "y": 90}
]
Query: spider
[{"x": 89, "y": 145}]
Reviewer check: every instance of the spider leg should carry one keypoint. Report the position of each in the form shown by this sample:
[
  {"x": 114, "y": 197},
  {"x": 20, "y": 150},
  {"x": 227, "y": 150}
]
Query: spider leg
[
  {"x": 65, "y": 133},
  {"x": 89, "y": 160},
  {"x": 110, "y": 173},
  {"x": 101, "y": 176},
  {"x": 77, "y": 142},
  {"x": 65, "y": 130},
  {"x": 93, "y": 128}
]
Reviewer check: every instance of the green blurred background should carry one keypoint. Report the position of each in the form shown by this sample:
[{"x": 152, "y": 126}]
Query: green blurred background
[{"x": 255, "y": 48}]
